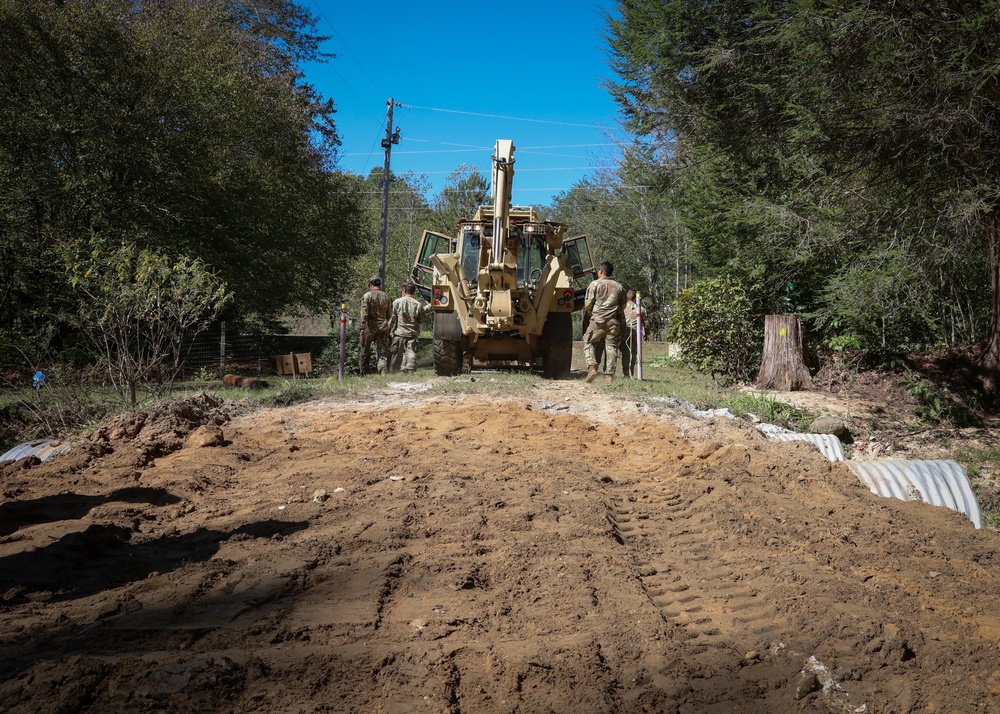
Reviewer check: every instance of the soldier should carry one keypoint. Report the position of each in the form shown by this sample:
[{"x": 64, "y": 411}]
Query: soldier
[
  {"x": 375, "y": 309},
  {"x": 605, "y": 302},
  {"x": 404, "y": 326},
  {"x": 628, "y": 347}
]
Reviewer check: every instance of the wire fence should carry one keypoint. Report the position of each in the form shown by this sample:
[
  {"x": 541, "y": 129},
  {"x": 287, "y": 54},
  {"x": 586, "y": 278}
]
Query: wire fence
[{"x": 219, "y": 351}]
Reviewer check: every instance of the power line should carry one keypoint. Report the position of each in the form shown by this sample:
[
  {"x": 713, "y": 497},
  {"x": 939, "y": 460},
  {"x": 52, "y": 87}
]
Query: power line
[
  {"x": 519, "y": 148},
  {"x": 356, "y": 96},
  {"x": 346, "y": 47},
  {"x": 371, "y": 151},
  {"x": 562, "y": 146},
  {"x": 521, "y": 171},
  {"x": 498, "y": 116}
]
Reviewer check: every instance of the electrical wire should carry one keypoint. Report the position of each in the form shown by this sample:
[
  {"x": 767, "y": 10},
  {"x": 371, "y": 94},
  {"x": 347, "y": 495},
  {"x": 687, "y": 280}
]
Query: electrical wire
[
  {"x": 348, "y": 85},
  {"x": 346, "y": 47},
  {"x": 497, "y": 116}
]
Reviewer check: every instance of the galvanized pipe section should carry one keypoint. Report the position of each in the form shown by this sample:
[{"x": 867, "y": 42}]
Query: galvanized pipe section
[
  {"x": 827, "y": 443},
  {"x": 44, "y": 449},
  {"x": 938, "y": 482}
]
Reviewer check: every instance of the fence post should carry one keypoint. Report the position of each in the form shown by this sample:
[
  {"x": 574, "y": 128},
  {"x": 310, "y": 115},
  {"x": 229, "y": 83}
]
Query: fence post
[
  {"x": 343, "y": 338},
  {"x": 638, "y": 335},
  {"x": 222, "y": 350}
]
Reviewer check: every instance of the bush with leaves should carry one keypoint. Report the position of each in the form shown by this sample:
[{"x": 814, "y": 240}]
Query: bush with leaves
[
  {"x": 328, "y": 363},
  {"x": 135, "y": 309},
  {"x": 717, "y": 329}
]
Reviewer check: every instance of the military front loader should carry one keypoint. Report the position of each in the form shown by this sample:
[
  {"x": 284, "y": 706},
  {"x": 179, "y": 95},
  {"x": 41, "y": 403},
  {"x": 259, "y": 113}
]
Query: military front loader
[{"x": 505, "y": 287}]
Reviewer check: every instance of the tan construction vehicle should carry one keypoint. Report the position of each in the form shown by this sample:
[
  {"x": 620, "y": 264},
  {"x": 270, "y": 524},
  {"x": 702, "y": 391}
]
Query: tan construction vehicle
[{"x": 504, "y": 288}]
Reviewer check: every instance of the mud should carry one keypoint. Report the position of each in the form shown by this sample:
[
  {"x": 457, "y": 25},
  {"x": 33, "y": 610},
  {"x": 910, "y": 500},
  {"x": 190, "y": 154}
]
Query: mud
[{"x": 556, "y": 552}]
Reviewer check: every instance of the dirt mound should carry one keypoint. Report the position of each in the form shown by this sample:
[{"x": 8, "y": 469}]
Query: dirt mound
[
  {"x": 159, "y": 430},
  {"x": 560, "y": 553}
]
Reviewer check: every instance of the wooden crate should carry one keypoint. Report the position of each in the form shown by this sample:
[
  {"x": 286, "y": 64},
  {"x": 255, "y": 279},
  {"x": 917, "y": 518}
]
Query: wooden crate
[
  {"x": 304, "y": 363},
  {"x": 294, "y": 364}
]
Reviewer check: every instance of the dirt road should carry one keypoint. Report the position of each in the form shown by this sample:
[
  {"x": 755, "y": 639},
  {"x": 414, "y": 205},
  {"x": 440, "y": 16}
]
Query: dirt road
[{"x": 555, "y": 552}]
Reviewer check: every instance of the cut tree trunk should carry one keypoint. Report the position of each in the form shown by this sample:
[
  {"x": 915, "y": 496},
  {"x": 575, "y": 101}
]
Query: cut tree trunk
[
  {"x": 783, "y": 366},
  {"x": 990, "y": 360}
]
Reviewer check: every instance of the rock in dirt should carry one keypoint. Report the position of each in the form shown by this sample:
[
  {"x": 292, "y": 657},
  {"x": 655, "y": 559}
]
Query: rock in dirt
[
  {"x": 807, "y": 684},
  {"x": 829, "y": 425},
  {"x": 206, "y": 435}
]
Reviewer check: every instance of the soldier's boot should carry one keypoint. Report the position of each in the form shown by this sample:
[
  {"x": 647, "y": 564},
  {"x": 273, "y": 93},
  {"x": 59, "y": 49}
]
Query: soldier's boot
[
  {"x": 591, "y": 373},
  {"x": 609, "y": 378}
]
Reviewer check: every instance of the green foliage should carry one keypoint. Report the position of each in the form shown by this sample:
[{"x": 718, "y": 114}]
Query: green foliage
[
  {"x": 69, "y": 400},
  {"x": 464, "y": 191},
  {"x": 717, "y": 329},
  {"x": 977, "y": 459},
  {"x": 206, "y": 375},
  {"x": 846, "y": 148},
  {"x": 930, "y": 406},
  {"x": 135, "y": 309},
  {"x": 183, "y": 125},
  {"x": 630, "y": 218},
  {"x": 981, "y": 464},
  {"x": 409, "y": 215},
  {"x": 328, "y": 362},
  {"x": 934, "y": 404},
  {"x": 769, "y": 410}
]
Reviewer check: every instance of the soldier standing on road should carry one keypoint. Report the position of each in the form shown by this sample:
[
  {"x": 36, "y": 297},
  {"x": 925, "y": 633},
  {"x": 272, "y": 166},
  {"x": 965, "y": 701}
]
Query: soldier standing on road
[
  {"x": 628, "y": 348},
  {"x": 375, "y": 309},
  {"x": 604, "y": 302},
  {"x": 404, "y": 326}
]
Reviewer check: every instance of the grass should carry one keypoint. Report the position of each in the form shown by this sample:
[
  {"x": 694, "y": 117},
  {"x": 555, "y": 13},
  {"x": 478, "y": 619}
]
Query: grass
[
  {"x": 769, "y": 410},
  {"x": 663, "y": 376},
  {"x": 503, "y": 384},
  {"x": 975, "y": 458},
  {"x": 66, "y": 410},
  {"x": 980, "y": 465}
]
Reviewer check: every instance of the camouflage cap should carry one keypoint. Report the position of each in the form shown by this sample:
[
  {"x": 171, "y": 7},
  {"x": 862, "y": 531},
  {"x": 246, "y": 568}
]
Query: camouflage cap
[{"x": 376, "y": 281}]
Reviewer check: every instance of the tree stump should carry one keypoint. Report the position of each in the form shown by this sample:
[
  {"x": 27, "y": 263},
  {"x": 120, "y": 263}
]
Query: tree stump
[{"x": 783, "y": 366}]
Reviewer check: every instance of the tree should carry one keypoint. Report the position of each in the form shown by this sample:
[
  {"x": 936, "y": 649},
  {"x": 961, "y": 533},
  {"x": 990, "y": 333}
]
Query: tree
[
  {"x": 876, "y": 122},
  {"x": 464, "y": 191},
  {"x": 783, "y": 363},
  {"x": 409, "y": 215},
  {"x": 630, "y": 216},
  {"x": 185, "y": 126},
  {"x": 137, "y": 307},
  {"x": 411, "y": 212}
]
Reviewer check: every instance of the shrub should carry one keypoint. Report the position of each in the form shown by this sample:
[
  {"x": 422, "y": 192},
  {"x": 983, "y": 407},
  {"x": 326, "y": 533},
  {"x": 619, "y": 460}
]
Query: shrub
[
  {"x": 328, "y": 362},
  {"x": 717, "y": 329}
]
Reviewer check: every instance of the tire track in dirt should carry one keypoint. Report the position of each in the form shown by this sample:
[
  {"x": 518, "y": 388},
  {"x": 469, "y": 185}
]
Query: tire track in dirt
[
  {"x": 691, "y": 583},
  {"x": 509, "y": 555}
]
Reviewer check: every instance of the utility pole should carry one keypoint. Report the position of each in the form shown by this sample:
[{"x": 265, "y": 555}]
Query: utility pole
[{"x": 390, "y": 139}]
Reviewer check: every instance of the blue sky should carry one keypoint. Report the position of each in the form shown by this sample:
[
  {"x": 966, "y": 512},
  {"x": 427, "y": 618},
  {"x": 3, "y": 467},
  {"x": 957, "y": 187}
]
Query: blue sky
[{"x": 468, "y": 74}]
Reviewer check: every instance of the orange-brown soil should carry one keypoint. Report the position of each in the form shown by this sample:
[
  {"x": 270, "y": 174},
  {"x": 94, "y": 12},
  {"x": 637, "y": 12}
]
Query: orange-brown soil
[{"x": 561, "y": 551}]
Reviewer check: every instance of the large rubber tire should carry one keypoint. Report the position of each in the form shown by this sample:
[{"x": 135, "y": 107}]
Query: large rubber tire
[
  {"x": 447, "y": 357},
  {"x": 557, "y": 346}
]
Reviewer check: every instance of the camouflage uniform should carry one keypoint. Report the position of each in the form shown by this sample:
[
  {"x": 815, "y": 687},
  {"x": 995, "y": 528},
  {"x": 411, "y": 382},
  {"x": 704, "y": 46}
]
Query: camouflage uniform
[
  {"x": 404, "y": 326},
  {"x": 604, "y": 302},
  {"x": 628, "y": 350},
  {"x": 375, "y": 309}
]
